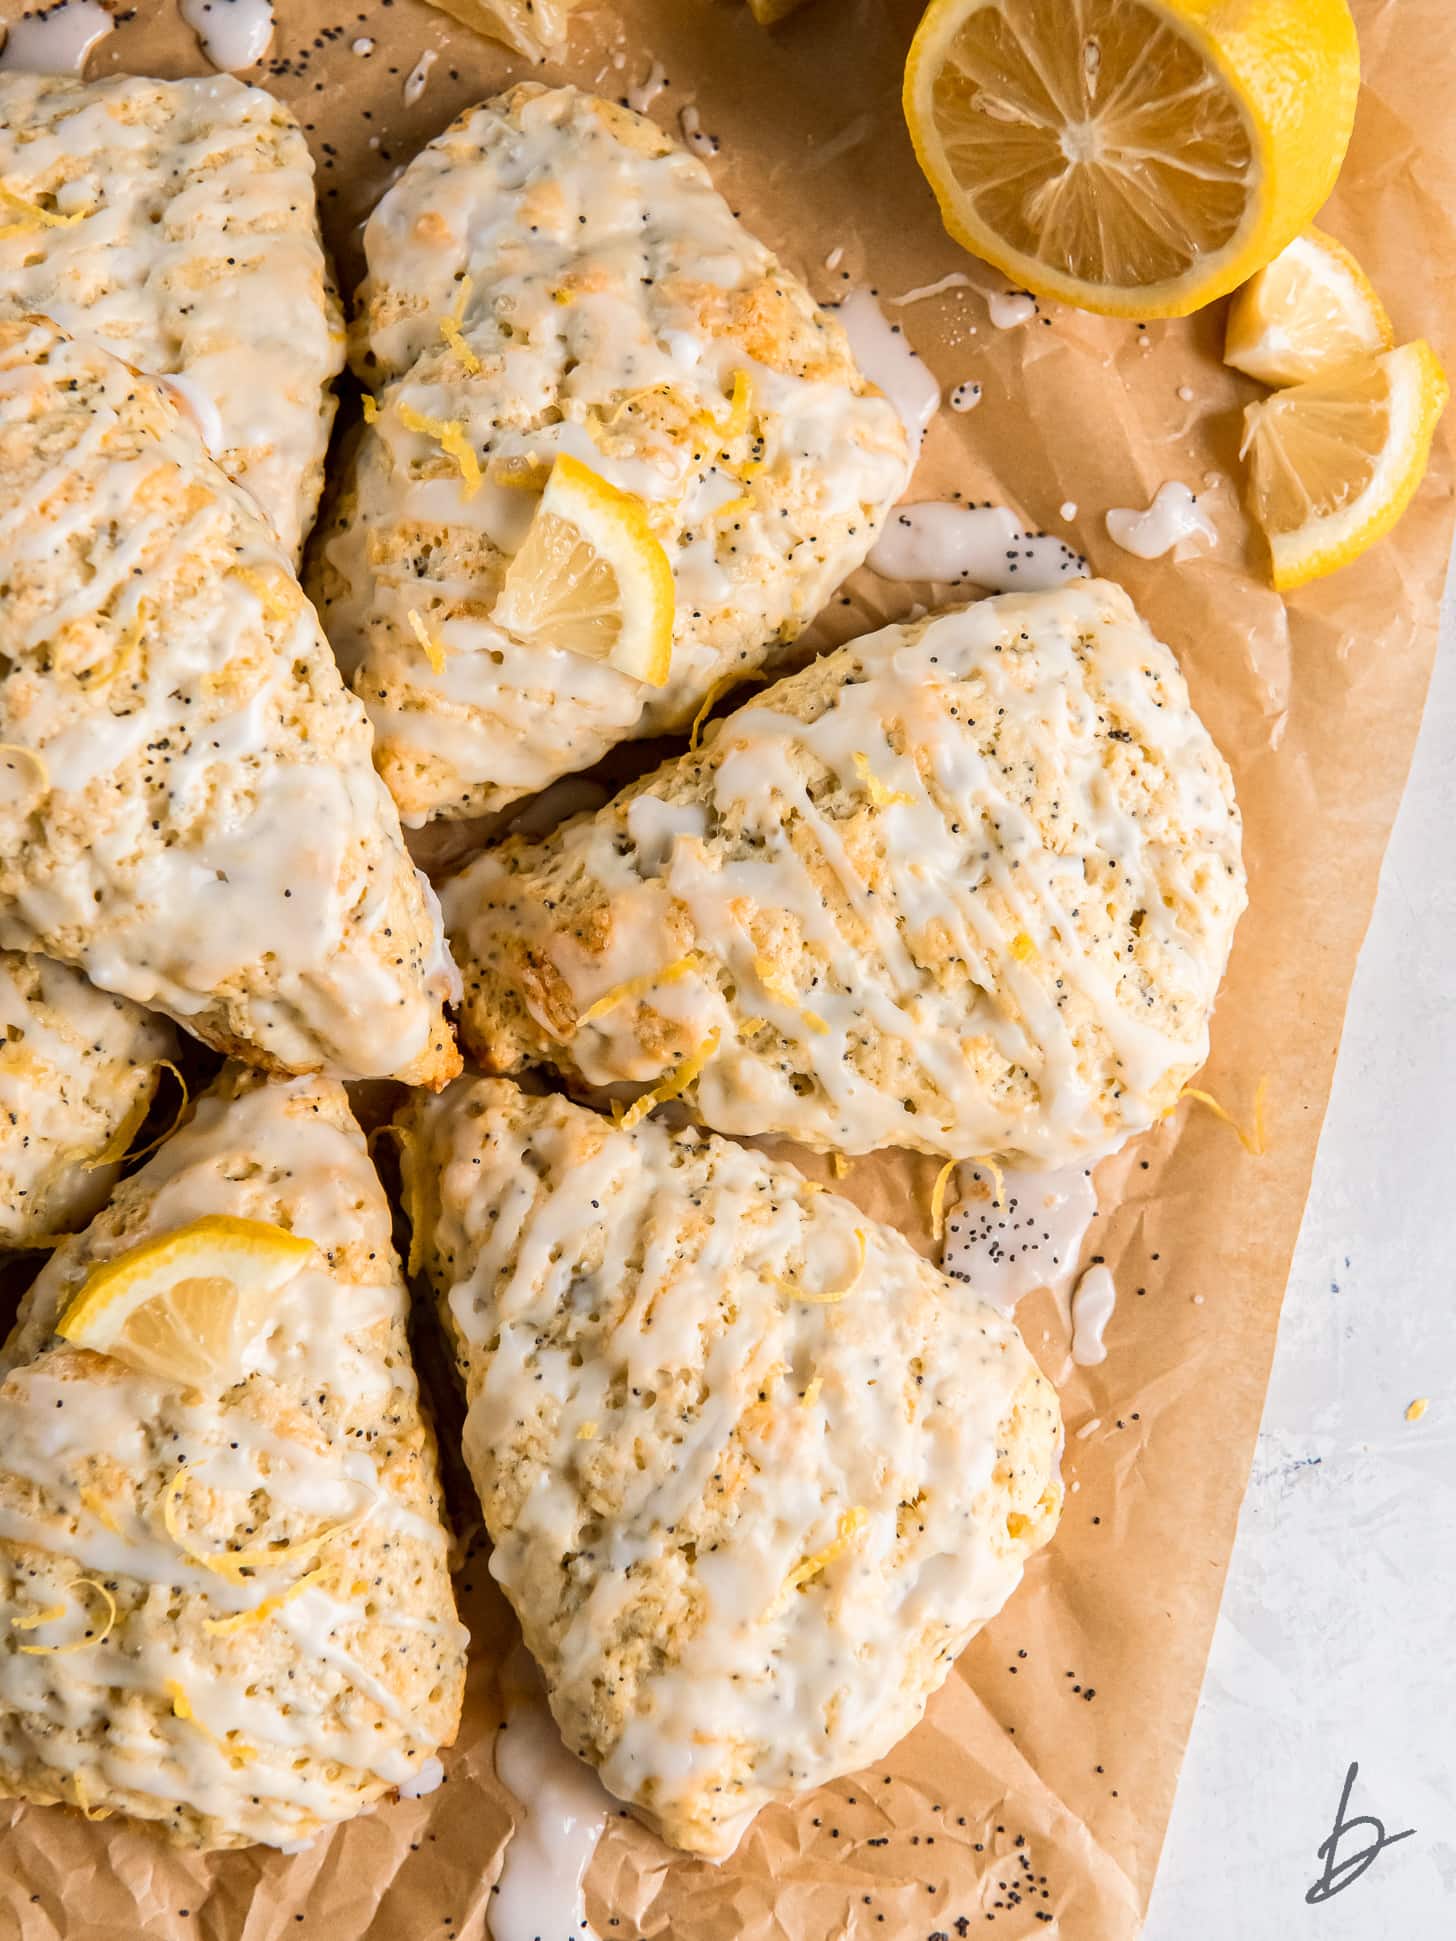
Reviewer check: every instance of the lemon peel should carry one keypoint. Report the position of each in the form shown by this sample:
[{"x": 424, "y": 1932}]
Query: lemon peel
[
  {"x": 267, "y": 1607},
  {"x": 118, "y": 1146},
  {"x": 1253, "y": 1140},
  {"x": 182, "y": 1708},
  {"x": 937, "y": 1198},
  {"x": 37, "y": 761},
  {"x": 454, "y": 337},
  {"x": 881, "y": 796},
  {"x": 853, "y": 1524},
  {"x": 370, "y": 406},
  {"x": 434, "y": 652},
  {"x": 33, "y": 216},
  {"x": 671, "y": 1087},
  {"x": 634, "y": 987},
  {"x": 449, "y": 435},
  {"x": 38, "y": 1618},
  {"x": 49, "y": 1617},
  {"x": 838, "y": 1164},
  {"x": 232, "y": 1565},
  {"x": 827, "y": 1296}
]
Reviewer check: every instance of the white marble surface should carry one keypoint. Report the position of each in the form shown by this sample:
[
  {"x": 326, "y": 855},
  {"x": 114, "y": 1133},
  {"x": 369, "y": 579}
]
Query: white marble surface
[{"x": 1337, "y": 1638}]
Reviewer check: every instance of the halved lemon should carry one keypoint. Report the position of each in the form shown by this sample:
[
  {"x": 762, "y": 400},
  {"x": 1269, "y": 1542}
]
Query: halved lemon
[
  {"x": 1334, "y": 463},
  {"x": 187, "y": 1305},
  {"x": 591, "y": 577},
  {"x": 1135, "y": 157},
  {"x": 534, "y": 28},
  {"x": 1305, "y": 314}
]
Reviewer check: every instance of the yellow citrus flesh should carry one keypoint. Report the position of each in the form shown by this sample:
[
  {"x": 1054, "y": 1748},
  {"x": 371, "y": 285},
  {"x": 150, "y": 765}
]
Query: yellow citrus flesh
[
  {"x": 1134, "y": 157},
  {"x": 767, "y": 12},
  {"x": 186, "y": 1305},
  {"x": 591, "y": 577},
  {"x": 1334, "y": 463},
  {"x": 534, "y": 28},
  {"x": 1307, "y": 313}
]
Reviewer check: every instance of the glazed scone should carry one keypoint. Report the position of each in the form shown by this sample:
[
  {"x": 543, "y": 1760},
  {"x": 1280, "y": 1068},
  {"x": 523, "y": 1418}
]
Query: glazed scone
[
  {"x": 188, "y": 808},
  {"x": 78, "y": 1068},
  {"x": 966, "y": 886},
  {"x": 174, "y": 223},
  {"x": 553, "y": 275},
  {"x": 754, "y": 1471},
  {"x": 283, "y": 1649}
]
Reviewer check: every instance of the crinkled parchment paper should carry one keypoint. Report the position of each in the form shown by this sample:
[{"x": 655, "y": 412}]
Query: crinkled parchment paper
[{"x": 1041, "y": 1781}]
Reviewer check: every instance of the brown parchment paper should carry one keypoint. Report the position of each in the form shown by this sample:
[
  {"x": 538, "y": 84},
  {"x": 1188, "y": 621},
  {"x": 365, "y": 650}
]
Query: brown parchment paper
[{"x": 1034, "y": 1797}]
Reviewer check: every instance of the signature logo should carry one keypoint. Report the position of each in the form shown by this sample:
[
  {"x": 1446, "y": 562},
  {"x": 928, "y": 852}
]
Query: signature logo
[{"x": 1340, "y": 1871}]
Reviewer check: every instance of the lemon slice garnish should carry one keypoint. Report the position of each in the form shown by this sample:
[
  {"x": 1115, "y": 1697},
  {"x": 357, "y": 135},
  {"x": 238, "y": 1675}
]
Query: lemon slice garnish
[
  {"x": 187, "y": 1305},
  {"x": 591, "y": 577},
  {"x": 1305, "y": 314},
  {"x": 1334, "y": 463},
  {"x": 534, "y": 28},
  {"x": 1135, "y": 157}
]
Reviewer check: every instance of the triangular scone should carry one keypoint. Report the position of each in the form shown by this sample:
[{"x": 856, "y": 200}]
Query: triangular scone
[
  {"x": 174, "y": 222},
  {"x": 554, "y": 275},
  {"x": 249, "y": 1590},
  {"x": 753, "y": 1469},
  {"x": 78, "y": 1068},
  {"x": 966, "y": 886},
  {"x": 188, "y": 807}
]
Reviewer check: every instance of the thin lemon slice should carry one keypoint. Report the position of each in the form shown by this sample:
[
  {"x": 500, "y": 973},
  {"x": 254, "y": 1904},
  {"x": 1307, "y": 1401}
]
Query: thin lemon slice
[
  {"x": 187, "y": 1305},
  {"x": 1305, "y": 314},
  {"x": 534, "y": 28},
  {"x": 1135, "y": 157},
  {"x": 1333, "y": 463},
  {"x": 591, "y": 577}
]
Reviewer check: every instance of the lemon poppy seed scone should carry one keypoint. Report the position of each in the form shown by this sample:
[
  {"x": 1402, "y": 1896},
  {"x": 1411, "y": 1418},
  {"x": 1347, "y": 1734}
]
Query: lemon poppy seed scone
[
  {"x": 78, "y": 1068},
  {"x": 754, "y": 1471},
  {"x": 225, "y": 1601},
  {"x": 174, "y": 222},
  {"x": 557, "y": 297},
  {"x": 188, "y": 807},
  {"x": 966, "y": 886}
]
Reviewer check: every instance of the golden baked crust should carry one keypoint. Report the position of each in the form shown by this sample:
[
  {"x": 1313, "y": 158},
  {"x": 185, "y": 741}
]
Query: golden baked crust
[
  {"x": 966, "y": 886},
  {"x": 341, "y": 1690},
  {"x": 753, "y": 1469},
  {"x": 78, "y": 1067},
  {"x": 174, "y": 222},
  {"x": 550, "y": 275},
  {"x": 188, "y": 808}
]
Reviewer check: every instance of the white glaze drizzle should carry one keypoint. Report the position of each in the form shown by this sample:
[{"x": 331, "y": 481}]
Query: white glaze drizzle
[
  {"x": 55, "y": 39},
  {"x": 1010, "y": 308},
  {"x": 563, "y": 1807},
  {"x": 1093, "y": 1301},
  {"x": 965, "y": 396},
  {"x": 1173, "y": 518},
  {"x": 232, "y": 33},
  {"x": 1019, "y": 1231},
  {"x": 418, "y": 78},
  {"x": 641, "y": 97},
  {"x": 887, "y": 358},
  {"x": 963, "y": 545}
]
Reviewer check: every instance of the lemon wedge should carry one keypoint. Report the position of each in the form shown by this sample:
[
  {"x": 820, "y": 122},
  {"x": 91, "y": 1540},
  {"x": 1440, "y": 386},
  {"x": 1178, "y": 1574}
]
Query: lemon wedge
[
  {"x": 187, "y": 1305},
  {"x": 769, "y": 12},
  {"x": 1305, "y": 314},
  {"x": 1334, "y": 463},
  {"x": 591, "y": 577},
  {"x": 1135, "y": 157},
  {"x": 534, "y": 28}
]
